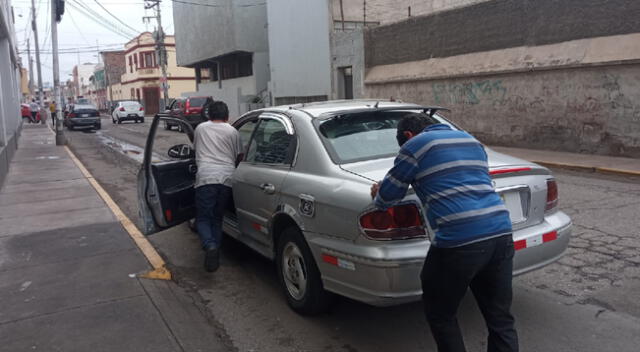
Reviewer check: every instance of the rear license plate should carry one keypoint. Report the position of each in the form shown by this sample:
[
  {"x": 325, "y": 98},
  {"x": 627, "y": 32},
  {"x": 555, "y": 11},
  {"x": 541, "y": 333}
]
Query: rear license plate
[
  {"x": 84, "y": 115},
  {"x": 514, "y": 205},
  {"x": 133, "y": 115}
]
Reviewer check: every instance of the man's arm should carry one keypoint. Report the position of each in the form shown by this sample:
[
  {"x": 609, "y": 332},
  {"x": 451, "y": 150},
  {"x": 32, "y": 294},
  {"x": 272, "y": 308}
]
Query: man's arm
[{"x": 394, "y": 186}]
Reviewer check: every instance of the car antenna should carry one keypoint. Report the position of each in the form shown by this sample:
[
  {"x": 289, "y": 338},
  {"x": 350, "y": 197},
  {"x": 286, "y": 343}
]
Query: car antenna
[{"x": 376, "y": 106}]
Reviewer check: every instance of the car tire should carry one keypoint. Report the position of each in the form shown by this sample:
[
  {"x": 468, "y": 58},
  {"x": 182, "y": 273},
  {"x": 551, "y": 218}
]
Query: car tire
[
  {"x": 167, "y": 126},
  {"x": 97, "y": 127},
  {"x": 180, "y": 129},
  {"x": 142, "y": 120},
  {"x": 119, "y": 121},
  {"x": 299, "y": 275}
]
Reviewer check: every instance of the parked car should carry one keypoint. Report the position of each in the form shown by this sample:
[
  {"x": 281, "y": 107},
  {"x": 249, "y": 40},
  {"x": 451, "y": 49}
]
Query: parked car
[
  {"x": 83, "y": 117},
  {"x": 128, "y": 111},
  {"x": 25, "y": 111},
  {"x": 302, "y": 198},
  {"x": 186, "y": 109}
]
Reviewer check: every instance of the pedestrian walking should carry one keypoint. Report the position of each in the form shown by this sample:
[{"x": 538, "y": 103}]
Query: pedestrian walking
[
  {"x": 473, "y": 246},
  {"x": 218, "y": 152},
  {"x": 52, "y": 110},
  {"x": 35, "y": 108}
]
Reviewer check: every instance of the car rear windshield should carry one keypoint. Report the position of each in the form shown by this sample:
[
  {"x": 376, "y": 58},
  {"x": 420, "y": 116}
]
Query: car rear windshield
[
  {"x": 363, "y": 136},
  {"x": 130, "y": 104},
  {"x": 197, "y": 102}
]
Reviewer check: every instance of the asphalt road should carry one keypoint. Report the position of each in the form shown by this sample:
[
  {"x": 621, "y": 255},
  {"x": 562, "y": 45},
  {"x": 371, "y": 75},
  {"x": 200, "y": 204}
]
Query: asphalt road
[{"x": 588, "y": 301}]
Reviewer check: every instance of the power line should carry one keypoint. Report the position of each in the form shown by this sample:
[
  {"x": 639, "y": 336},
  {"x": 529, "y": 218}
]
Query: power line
[
  {"x": 112, "y": 15},
  {"x": 106, "y": 24},
  {"x": 99, "y": 17},
  {"x": 214, "y": 5}
]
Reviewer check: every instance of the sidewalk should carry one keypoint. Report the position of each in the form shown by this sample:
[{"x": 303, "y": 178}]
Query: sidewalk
[
  {"x": 66, "y": 265},
  {"x": 596, "y": 163}
]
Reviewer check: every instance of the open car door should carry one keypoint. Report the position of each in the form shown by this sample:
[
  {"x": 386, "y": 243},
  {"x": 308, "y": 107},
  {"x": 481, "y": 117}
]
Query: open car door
[{"x": 167, "y": 176}]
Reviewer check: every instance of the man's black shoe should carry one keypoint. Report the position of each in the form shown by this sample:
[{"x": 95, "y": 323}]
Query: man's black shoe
[{"x": 211, "y": 260}]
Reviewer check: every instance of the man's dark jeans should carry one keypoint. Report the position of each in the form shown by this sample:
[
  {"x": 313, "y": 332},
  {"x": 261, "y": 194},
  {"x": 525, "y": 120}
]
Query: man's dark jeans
[
  {"x": 484, "y": 266},
  {"x": 211, "y": 203}
]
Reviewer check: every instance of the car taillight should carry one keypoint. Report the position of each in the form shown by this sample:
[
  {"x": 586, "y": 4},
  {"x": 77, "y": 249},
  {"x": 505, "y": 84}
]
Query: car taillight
[
  {"x": 395, "y": 223},
  {"x": 121, "y": 108},
  {"x": 72, "y": 114},
  {"x": 552, "y": 195},
  {"x": 141, "y": 108}
]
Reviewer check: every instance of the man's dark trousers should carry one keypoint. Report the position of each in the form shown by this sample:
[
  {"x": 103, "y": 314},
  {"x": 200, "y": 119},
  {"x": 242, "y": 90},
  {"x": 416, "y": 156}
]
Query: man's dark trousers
[
  {"x": 486, "y": 267},
  {"x": 211, "y": 203}
]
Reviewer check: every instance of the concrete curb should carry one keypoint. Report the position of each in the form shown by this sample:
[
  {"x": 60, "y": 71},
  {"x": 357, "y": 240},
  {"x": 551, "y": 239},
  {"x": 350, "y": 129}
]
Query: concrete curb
[{"x": 604, "y": 170}]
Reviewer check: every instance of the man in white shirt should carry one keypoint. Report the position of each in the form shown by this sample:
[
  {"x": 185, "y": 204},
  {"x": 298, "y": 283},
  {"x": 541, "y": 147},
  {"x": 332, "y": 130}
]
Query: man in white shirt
[{"x": 218, "y": 152}]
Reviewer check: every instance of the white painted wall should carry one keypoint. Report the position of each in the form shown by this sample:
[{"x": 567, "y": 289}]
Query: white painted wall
[
  {"x": 299, "y": 49},
  {"x": 204, "y": 32},
  {"x": 234, "y": 93}
]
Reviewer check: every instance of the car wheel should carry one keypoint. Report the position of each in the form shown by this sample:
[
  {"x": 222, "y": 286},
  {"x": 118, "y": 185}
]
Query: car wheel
[
  {"x": 299, "y": 275},
  {"x": 119, "y": 121},
  {"x": 98, "y": 127},
  {"x": 142, "y": 120},
  {"x": 167, "y": 126},
  {"x": 113, "y": 120},
  {"x": 70, "y": 127},
  {"x": 180, "y": 129}
]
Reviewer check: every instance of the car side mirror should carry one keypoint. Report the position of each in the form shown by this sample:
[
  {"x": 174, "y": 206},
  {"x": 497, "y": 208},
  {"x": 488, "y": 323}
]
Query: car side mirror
[
  {"x": 167, "y": 107},
  {"x": 181, "y": 151}
]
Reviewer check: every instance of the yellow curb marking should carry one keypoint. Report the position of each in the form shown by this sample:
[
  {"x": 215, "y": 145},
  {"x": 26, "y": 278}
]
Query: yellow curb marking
[{"x": 159, "y": 271}]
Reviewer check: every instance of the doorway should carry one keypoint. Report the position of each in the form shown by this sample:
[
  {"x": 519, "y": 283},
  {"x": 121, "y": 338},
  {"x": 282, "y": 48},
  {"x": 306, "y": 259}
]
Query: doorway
[{"x": 151, "y": 100}]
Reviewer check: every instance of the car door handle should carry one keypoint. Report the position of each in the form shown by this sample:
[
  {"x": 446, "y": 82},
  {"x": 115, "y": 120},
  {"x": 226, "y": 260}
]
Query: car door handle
[
  {"x": 193, "y": 169},
  {"x": 268, "y": 188}
]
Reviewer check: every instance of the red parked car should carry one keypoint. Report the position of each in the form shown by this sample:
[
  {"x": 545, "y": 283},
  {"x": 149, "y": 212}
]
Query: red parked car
[
  {"x": 187, "y": 109},
  {"x": 25, "y": 112}
]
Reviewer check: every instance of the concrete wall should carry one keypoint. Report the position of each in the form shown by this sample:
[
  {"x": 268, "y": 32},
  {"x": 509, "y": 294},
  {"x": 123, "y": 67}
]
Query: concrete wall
[
  {"x": 205, "y": 32},
  {"x": 590, "y": 109},
  {"x": 562, "y": 75},
  {"x": 499, "y": 24},
  {"x": 347, "y": 49},
  {"x": 234, "y": 92},
  {"x": 10, "y": 96},
  {"x": 299, "y": 48},
  {"x": 387, "y": 11}
]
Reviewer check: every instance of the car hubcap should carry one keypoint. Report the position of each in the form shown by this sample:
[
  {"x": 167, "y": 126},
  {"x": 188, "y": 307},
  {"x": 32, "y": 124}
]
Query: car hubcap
[{"x": 294, "y": 271}]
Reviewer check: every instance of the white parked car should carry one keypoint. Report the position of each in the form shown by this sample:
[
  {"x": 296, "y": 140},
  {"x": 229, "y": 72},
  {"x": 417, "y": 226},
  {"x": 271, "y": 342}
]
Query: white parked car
[{"x": 128, "y": 110}]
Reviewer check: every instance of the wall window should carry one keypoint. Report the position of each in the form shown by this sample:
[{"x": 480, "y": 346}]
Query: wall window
[
  {"x": 232, "y": 66},
  {"x": 149, "y": 59},
  {"x": 135, "y": 61},
  {"x": 130, "y": 66}
]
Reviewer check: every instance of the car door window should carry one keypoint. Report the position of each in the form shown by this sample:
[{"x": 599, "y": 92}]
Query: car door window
[
  {"x": 271, "y": 144},
  {"x": 245, "y": 130}
]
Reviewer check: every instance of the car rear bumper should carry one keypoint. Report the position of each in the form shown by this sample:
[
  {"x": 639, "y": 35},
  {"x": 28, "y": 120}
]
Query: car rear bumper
[
  {"x": 388, "y": 273},
  {"x": 83, "y": 122},
  {"x": 124, "y": 116}
]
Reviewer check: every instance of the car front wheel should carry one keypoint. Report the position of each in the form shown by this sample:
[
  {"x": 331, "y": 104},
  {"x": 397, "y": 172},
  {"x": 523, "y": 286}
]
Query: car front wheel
[{"x": 299, "y": 275}]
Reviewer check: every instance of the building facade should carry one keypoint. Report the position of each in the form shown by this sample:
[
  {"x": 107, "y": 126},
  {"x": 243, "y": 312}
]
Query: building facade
[
  {"x": 559, "y": 75},
  {"x": 114, "y": 68},
  {"x": 141, "y": 80},
  {"x": 229, "y": 49},
  {"x": 10, "y": 94},
  {"x": 82, "y": 80}
]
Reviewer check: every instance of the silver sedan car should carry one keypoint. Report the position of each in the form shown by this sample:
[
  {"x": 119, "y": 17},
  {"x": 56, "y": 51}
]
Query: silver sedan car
[{"x": 302, "y": 198}]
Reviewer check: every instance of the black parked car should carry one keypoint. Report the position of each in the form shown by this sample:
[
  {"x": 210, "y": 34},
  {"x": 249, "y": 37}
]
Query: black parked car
[{"x": 83, "y": 117}]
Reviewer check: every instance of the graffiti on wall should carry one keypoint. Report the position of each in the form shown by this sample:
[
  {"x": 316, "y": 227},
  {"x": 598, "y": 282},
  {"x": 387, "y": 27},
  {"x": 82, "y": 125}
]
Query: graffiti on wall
[{"x": 468, "y": 93}]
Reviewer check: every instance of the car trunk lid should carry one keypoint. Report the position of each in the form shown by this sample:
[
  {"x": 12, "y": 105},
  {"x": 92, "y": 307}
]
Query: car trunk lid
[{"x": 521, "y": 184}]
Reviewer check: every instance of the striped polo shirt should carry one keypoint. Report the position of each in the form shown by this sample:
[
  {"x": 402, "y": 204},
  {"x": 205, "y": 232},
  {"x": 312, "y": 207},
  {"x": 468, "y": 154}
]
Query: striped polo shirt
[{"x": 449, "y": 172}]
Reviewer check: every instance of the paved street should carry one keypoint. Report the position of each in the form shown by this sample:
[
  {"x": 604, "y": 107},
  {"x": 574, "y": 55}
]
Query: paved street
[{"x": 585, "y": 302}]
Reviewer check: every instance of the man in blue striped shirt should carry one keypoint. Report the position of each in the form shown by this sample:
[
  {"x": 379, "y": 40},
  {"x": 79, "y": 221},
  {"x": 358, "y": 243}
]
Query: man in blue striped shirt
[{"x": 448, "y": 170}]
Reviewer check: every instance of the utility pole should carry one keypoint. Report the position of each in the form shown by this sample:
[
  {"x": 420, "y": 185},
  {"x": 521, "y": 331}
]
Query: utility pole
[
  {"x": 34, "y": 26},
  {"x": 161, "y": 51},
  {"x": 30, "y": 69},
  {"x": 60, "y": 139}
]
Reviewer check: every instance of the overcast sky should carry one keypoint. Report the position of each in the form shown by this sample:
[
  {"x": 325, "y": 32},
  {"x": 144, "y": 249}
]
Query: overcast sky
[{"x": 79, "y": 32}]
